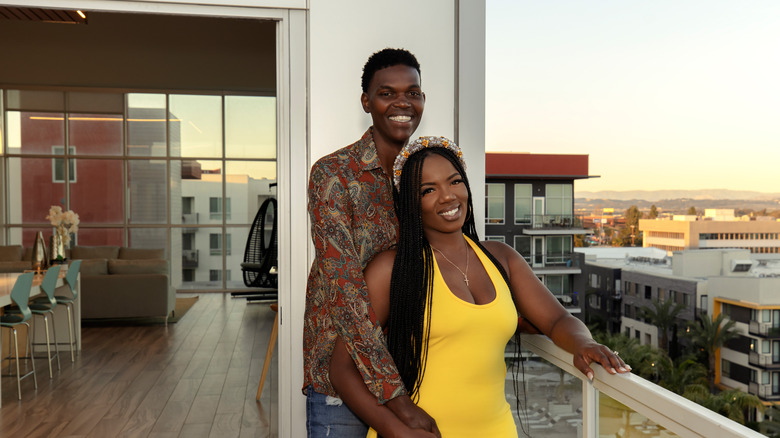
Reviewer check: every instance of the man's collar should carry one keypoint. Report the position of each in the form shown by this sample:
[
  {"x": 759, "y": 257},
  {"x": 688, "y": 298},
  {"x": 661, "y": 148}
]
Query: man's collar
[{"x": 367, "y": 153}]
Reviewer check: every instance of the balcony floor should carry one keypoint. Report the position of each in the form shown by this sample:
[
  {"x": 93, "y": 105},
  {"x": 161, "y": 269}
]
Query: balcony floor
[{"x": 194, "y": 378}]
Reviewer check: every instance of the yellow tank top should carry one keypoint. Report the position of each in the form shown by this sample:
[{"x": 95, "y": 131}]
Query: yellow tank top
[{"x": 463, "y": 388}]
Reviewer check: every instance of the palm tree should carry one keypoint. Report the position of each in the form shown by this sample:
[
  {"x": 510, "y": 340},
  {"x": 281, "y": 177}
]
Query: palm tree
[
  {"x": 709, "y": 336},
  {"x": 731, "y": 403},
  {"x": 677, "y": 376},
  {"x": 663, "y": 316}
]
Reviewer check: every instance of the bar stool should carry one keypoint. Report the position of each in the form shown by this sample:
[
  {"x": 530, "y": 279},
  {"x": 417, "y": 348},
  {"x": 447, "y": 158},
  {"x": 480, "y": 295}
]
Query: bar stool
[
  {"x": 20, "y": 294},
  {"x": 71, "y": 277},
  {"x": 46, "y": 307}
]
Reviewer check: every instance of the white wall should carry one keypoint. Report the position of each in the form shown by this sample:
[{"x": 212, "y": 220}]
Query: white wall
[{"x": 340, "y": 46}]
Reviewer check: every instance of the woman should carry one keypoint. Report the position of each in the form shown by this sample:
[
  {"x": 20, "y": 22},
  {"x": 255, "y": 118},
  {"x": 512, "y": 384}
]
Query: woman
[{"x": 450, "y": 305}]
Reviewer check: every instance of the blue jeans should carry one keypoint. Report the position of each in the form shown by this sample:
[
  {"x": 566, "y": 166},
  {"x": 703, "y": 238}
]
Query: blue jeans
[{"x": 329, "y": 417}]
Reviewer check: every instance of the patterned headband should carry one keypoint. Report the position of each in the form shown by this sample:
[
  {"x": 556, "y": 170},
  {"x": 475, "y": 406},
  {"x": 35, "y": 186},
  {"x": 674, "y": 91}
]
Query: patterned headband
[{"x": 418, "y": 145}]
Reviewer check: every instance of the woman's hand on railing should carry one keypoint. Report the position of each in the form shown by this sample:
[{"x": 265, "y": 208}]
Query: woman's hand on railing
[{"x": 595, "y": 352}]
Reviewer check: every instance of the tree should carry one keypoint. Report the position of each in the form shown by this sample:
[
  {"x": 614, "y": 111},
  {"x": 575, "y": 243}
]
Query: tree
[
  {"x": 632, "y": 216},
  {"x": 663, "y": 316},
  {"x": 677, "y": 376},
  {"x": 710, "y": 335},
  {"x": 653, "y": 212},
  {"x": 731, "y": 403},
  {"x": 691, "y": 211}
]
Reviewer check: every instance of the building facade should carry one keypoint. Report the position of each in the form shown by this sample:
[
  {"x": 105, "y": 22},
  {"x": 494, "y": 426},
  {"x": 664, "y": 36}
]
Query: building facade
[
  {"x": 717, "y": 229},
  {"x": 529, "y": 205}
]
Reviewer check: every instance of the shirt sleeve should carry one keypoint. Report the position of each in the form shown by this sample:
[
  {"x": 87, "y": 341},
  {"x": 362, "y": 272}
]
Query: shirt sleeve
[{"x": 347, "y": 297}]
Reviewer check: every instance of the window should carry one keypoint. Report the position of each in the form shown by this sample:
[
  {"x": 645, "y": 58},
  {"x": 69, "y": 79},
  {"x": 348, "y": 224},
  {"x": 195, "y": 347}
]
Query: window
[
  {"x": 558, "y": 250},
  {"x": 558, "y": 284},
  {"x": 636, "y": 334},
  {"x": 187, "y": 204},
  {"x": 215, "y": 275},
  {"x": 523, "y": 246},
  {"x": 215, "y": 244},
  {"x": 58, "y": 164},
  {"x": 494, "y": 205},
  {"x": 559, "y": 199},
  {"x": 648, "y": 293},
  {"x": 628, "y": 314},
  {"x": 523, "y": 203},
  {"x": 594, "y": 280},
  {"x": 215, "y": 208},
  {"x": 495, "y": 238},
  {"x": 725, "y": 368}
]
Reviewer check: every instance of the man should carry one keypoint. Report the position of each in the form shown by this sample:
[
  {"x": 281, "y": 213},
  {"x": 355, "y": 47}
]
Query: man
[{"x": 351, "y": 209}]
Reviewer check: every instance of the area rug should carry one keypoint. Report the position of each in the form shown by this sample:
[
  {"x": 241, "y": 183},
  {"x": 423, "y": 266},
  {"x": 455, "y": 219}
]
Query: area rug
[{"x": 183, "y": 304}]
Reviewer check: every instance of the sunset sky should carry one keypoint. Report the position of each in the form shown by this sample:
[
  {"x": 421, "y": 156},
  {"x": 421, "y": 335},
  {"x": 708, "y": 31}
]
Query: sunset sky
[{"x": 661, "y": 94}]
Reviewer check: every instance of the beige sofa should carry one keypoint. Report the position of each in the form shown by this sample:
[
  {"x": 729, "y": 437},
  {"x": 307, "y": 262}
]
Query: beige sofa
[
  {"x": 120, "y": 282},
  {"x": 15, "y": 258}
]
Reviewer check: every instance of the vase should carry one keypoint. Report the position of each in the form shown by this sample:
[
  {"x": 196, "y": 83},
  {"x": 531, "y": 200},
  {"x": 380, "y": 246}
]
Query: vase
[
  {"x": 40, "y": 259},
  {"x": 56, "y": 249}
]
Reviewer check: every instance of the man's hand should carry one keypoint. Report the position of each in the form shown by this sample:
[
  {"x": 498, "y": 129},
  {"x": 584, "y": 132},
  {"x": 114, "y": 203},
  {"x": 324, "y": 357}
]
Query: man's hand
[{"x": 412, "y": 415}]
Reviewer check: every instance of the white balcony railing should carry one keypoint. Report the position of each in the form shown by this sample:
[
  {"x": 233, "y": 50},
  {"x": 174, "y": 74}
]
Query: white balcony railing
[{"x": 676, "y": 414}]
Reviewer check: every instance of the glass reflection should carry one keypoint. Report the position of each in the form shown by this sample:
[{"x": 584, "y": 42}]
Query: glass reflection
[
  {"x": 95, "y": 134},
  {"x": 550, "y": 399},
  {"x": 146, "y": 127},
  {"x": 31, "y": 186},
  {"x": 250, "y": 127},
  {"x": 251, "y": 182},
  {"x": 34, "y": 132},
  {"x": 618, "y": 420},
  {"x": 198, "y": 119},
  {"x": 147, "y": 183},
  {"x": 99, "y": 193}
]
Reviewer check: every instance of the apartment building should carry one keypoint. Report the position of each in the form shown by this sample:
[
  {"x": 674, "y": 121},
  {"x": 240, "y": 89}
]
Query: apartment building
[
  {"x": 529, "y": 204},
  {"x": 621, "y": 282},
  {"x": 718, "y": 228}
]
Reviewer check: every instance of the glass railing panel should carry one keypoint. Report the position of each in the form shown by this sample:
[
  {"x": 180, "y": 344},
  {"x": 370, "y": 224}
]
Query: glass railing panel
[
  {"x": 618, "y": 420},
  {"x": 549, "y": 400},
  {"x": 629, "y": 406}
]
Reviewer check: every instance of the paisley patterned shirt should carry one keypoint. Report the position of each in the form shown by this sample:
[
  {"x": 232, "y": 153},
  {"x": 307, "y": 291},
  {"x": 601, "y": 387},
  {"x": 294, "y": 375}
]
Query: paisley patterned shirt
[{"x": 352, "y": 216}]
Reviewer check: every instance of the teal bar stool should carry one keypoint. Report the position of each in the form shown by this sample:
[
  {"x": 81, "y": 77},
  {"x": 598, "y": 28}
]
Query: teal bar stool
[
  {"x": 45, "y": 309},
  {"x": 20, "y": 294},
  {"x": 71, "y": 277}
]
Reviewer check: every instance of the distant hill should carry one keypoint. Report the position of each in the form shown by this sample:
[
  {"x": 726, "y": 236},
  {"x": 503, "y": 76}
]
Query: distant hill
[
  {"x": 677, "y": 201},
  {"x": 657, "y": 195}
]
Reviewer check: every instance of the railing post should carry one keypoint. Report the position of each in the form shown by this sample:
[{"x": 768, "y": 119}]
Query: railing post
[{"x": 590, "y": 410}]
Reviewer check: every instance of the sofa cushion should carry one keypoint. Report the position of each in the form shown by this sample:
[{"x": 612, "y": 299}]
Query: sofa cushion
[
  {"x": 146, "y": 266},
  {"x": 91, "y": 267},
  {"x": 94, "y": 252},
  {"x": 140, "y": 253},
  {"x": 11, "y": 253}
]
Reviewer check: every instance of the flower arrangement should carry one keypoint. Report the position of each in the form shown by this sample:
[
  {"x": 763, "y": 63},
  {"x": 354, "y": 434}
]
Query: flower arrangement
[{"x": 64, "y": 222}]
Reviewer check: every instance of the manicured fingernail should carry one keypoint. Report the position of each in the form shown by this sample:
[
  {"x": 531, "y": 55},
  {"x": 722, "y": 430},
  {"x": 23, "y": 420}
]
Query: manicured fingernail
[
  {"x": 590, "y": 376},
  {"x": 623, "y": 369}
]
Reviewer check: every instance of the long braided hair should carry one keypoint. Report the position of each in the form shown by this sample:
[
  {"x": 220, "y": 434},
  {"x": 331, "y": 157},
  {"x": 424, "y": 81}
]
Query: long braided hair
[{"x": 412, "y": 278}]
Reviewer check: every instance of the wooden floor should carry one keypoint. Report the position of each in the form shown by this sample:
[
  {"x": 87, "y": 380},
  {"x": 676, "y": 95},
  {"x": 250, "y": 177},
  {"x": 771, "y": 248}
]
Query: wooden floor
[{"x": 195, "y": 378}]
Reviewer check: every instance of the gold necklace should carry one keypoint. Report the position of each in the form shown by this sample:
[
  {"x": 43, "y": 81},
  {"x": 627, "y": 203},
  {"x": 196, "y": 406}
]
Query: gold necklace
[{"x": 465, "y": 276}]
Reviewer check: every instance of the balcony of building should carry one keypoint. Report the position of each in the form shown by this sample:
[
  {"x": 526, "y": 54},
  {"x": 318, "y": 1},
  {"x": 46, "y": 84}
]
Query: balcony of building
[
  {"x": 764, "y": 329},
  {"x": 611, "y": 405},
  {"x": 189, "y": 219},
  {"x": 767, "y": 361},
  {"x": 537, "y": 224},
  {"x": 189, "y": 258},
  {"x": 765, "y": 392}
]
